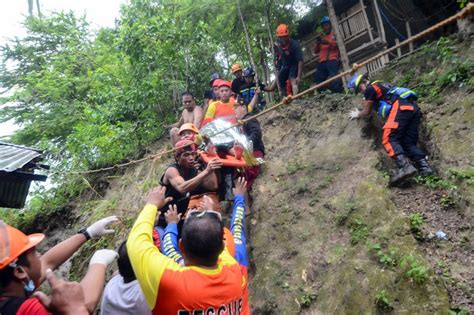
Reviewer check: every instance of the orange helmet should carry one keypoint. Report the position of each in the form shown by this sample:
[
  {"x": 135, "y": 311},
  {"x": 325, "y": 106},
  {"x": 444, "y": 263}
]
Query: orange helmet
[
  {"x": 13, "y": 243},
  {"x": 188, "y": 126},
  {"x": 282, "y": 30},
  {"x": 216, "y": 83},
  {"x": 236, "y": 67},
  {"x": 224, "y": 83}
]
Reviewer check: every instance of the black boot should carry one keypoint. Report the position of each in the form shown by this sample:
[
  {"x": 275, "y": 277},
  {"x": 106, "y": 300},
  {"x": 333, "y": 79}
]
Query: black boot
[
  {"x": 405, "y": 170},
  {"x": 424, "y": 168}
]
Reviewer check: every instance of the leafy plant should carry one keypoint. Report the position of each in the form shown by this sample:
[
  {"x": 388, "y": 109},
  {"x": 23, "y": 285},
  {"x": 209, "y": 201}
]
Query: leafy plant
[
  {"x": 435, "y": 182},
  {"x": 414, "y": 269},
  {"x": 359, "y": 231},
  {"x": 307, "y": 299},
  {"x": 388, "y": 258},
  {"x": 416, "y": 221},
  {"x": 382, "y": 301}
]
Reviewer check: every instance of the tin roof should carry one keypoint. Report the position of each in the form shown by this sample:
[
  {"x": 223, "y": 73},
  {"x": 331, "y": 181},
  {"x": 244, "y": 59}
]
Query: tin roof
[{"x": 13, "y": 157}]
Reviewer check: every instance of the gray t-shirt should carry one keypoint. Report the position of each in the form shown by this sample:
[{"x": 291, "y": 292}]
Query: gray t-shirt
[{"x": 121, "y": 298}]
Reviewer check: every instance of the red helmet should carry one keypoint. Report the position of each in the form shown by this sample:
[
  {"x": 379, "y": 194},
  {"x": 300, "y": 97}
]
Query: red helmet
[
  {"x": 185, "y": 145},
  {"x": 224, "y": 83}
]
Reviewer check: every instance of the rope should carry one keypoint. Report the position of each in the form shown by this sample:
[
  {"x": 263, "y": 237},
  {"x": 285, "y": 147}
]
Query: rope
[{"x": 287, "y": 100}]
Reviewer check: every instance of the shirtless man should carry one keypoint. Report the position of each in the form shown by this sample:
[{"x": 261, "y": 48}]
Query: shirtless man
[{"x": 191, "y": 114}]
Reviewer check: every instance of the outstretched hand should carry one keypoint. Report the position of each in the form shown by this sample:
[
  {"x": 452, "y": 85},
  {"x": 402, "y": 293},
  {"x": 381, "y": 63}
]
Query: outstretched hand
[
  {"x": 354, "y": 114},
  {"x": 99, "y": 228},
  {"x": 213, "y": 165},
  {"x": 66, "y": 297},
  {"x": 240, "y": 186},
  {"x": 172, "y": 216},
  {"x": 156, "y": 197}
]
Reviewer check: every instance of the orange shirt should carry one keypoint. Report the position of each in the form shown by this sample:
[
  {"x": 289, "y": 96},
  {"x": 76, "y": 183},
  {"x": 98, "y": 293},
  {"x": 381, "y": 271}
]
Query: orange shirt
[
  {"x": 219, "y": 109},
  {"x": 327, "y": 51},
  {"x": 170, "y": 288}
]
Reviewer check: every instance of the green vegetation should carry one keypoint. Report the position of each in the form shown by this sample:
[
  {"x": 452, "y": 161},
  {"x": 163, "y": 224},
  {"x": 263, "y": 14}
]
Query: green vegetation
[
  {"x": 359, "y": 231},
  {"x": 416, "y": 221},
  {"x": 387, "y": 257},
  {"x": 435, "y": 182},
  {"x": 382, "y": 302},
  {"x": 414, "y": 269},
  {"x": 307, "y": 299}
]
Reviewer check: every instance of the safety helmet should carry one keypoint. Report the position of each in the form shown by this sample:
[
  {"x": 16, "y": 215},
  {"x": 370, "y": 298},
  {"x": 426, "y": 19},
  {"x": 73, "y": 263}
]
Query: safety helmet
[
  {"x": 13, "y": 243},
  {"x": 282, "y": 30},
  {"x": 185, "y": 145},
  {"x": 224, "y": 83},
  {"x": 236, "y": 67},
  {"x": 188, "y": 126},
  {"x": 248, "y": 72},
  {"x": 354, "y": 82},
  {"x": 214, "y": 77},
  {"x": 324, "y": 19}
]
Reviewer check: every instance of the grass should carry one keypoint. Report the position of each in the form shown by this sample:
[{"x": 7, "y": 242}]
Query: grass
[{"x": 414, "y": 269}]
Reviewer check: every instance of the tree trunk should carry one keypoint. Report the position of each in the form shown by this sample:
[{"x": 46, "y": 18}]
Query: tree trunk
[
  {"x": 247, "y": 40},
  {"x": 272, "y": 43}
]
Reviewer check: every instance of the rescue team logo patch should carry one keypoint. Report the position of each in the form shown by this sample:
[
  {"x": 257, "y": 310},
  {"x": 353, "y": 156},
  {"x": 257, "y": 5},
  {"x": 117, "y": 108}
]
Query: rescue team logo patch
[{"x": 232, "y": 308}]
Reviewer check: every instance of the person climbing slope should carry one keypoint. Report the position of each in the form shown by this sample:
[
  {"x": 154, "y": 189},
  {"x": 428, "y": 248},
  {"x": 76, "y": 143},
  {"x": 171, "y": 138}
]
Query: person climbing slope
[{"x": 398, "y": 107}]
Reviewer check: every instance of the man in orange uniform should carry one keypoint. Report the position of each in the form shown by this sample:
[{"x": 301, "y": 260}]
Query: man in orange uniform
[
  {"x": 212, "y": 282},
  {"x": 329, "y": 61},
  {"x": 223, "y": 108}
]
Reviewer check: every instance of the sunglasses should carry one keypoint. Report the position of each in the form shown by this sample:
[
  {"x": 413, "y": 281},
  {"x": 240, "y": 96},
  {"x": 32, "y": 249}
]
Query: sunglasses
[{"x": 203, "y": 214}]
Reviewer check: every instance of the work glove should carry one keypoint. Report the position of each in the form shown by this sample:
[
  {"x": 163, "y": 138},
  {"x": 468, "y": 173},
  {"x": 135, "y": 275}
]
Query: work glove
[
  {"x": 98, "y": 228},
  {"x": 354, "y": 114},
  {"x": 103, "y": 256}
]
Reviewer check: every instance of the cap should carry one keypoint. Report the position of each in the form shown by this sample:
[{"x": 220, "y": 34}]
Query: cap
[{"x": 13, "y": 243}]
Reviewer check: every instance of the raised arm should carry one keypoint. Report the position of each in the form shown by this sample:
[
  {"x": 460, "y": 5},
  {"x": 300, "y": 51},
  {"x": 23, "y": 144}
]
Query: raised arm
[
  {"x": 58, "y": 254},
  {"x": 237, "y": 225},
  {"x": 170, "y": 246},
  {"x": 147, "y": 261},
  {"x": 94, "y": 280}
]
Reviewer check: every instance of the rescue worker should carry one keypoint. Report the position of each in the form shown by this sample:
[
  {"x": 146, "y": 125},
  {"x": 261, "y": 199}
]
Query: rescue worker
[
  {"x": 184, "y": 181},
  {"x": 239, "y": 80},
  {"x": 210, "y": 95},
  {"x": 23, "y": 270},
  {"x": 329, "y": 58},
  {"x": 400, "y": 131},
  {"x": 192, "y": 114},
  {"x": 188, "y": 132},
  {"x": 224, "y": 107},
  {"x": 291, "y": 59},
  {"x": 212, "y": 281},
  {"x": 248, "y": 95}
]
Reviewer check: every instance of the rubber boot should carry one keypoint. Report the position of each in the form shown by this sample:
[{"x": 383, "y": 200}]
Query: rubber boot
[
  {"x": 424, "y": 168},
  {"x": 405, "y": 170}
]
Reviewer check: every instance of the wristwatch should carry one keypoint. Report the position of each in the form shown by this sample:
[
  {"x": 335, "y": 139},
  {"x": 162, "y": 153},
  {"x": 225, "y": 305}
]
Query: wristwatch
[{"x": 84, "y": 232}]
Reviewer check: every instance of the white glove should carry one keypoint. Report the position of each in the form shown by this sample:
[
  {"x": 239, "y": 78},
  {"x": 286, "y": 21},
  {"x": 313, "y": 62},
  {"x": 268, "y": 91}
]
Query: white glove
[
  {"x": 354, "y": 114},
  {"x": 98, "y": 228},
  {"x": 103, "y": 256}
]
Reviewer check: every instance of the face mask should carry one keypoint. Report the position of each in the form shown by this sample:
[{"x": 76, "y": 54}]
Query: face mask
[{"x": 29, "y": 286}]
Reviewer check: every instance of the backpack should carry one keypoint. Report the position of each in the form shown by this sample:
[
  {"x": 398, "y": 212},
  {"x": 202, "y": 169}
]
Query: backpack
[{"x": 396, "y": 92}]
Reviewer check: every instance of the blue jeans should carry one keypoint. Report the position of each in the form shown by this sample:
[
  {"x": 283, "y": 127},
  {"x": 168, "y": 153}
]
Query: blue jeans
[{"x": 326, "y": 70}]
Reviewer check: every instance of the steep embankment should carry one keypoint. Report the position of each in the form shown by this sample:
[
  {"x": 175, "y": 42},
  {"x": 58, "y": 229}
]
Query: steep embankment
[{"x": 327, "y": 236}]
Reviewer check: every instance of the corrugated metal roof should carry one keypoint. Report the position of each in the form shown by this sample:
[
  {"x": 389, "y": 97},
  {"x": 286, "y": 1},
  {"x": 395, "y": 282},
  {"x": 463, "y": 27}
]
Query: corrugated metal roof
[{"x": 13, "y": 157}]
